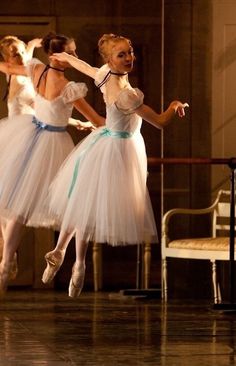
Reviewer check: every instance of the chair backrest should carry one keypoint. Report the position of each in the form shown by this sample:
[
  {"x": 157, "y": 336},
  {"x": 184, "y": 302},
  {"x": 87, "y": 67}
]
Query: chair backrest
[{"x": 221, "y": 214}]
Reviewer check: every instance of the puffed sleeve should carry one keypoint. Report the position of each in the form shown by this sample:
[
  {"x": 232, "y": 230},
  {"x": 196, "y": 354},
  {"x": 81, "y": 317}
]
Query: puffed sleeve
[
  {"x": 129, "y": 100},
  {"x": 30, "y": 66},
  {"x": 74, "y": 91},
  {"x": 101, "y": 75}
]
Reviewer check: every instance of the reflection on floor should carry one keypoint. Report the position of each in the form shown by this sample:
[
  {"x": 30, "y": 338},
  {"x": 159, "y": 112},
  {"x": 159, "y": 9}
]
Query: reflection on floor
[{"x": 48, "y": 328}]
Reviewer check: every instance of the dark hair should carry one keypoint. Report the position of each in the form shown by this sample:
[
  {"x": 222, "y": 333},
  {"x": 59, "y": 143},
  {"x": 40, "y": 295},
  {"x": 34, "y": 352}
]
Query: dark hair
[{"x": 53, "y": 42}]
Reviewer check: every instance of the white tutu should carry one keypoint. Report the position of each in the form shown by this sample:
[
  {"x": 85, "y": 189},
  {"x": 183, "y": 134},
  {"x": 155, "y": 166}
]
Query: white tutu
[
  {"x": 32, "y": 153},
  {"x": 28, "y": 163},
  {"x": 101, "y": 188}
]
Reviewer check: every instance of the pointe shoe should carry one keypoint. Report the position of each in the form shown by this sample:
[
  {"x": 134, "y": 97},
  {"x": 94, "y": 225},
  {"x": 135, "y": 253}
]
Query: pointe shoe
[
  {"x": 76, "y": 281},
  {"x": 54, "y": 261}
]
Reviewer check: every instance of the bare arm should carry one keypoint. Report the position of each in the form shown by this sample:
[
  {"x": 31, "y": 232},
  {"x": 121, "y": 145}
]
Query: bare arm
[
  {"x": 76, "y": 63},
  {"x": 34, "y": 43},
  {"x": 162, "y": 119},
  {"x": 88, "y": 112},
  {"x": 9, "y": 69}
]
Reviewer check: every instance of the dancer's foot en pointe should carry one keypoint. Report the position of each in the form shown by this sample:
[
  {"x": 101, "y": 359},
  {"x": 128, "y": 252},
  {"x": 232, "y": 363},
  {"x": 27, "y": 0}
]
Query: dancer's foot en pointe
[
  {"x": 54, "y": 261},
  {"x": 77, "y": 280}
]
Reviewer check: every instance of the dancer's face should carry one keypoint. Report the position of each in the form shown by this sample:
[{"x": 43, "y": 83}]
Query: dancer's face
[
  {"x": 71, "y": 49},
  {"x": 122, "y": 57},
  {"x": 17, "y": 54}
]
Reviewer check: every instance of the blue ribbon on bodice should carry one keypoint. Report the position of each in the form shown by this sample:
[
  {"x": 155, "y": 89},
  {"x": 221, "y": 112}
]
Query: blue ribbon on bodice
[
  {"x": 103, "y": 133},
  {"x": 39, "y": 128}
]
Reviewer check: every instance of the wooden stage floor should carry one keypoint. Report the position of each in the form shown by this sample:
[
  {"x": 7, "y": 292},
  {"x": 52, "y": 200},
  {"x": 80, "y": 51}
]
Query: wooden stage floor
[{"x": 48, "y": 328}]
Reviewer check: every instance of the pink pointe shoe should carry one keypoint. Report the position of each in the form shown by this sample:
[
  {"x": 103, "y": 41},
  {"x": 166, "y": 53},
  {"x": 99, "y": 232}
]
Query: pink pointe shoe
[
  {"x": 54, "y": 261},
  {"x": 76, "y": 281}
]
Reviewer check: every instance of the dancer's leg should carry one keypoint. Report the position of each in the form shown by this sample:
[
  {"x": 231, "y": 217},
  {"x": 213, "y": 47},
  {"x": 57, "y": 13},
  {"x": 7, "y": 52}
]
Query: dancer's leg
[
  {"x": 3, "y": 225},
  {"x": 12, "y": 236},
  {"x": 14, "y": 267},
  {"x": 78, "y": 270},
  {"x": 55, "y": 258}
]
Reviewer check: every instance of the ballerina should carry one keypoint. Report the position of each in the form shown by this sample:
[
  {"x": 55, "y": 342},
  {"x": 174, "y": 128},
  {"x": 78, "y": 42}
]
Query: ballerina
[
  {"x": 37, "y": 145},
  {"x": 19, "y": 94},
  {"x": 100, "y": 191},
  {"x": 20, "y": 91}
]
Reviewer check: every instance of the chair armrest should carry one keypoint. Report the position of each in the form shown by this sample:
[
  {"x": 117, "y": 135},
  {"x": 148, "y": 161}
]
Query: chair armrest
[{"x": 184, "y": 211}]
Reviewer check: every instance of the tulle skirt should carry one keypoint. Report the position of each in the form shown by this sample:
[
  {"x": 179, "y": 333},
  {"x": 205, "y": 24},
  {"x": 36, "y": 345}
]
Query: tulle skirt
[
  {"x": 29, "y": 160},
  {"x": 106, "y": 199}
]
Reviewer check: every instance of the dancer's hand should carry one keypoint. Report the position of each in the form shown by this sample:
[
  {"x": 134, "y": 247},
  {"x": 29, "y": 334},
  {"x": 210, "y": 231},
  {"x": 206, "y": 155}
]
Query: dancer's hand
[
  {"x": 61, "y": 57},
  {"x": 36, "y": 43},
  {"x": 179, "y": 107},
  {"x": 85, "y": 126},
  {"x": 82, "y": 126}
]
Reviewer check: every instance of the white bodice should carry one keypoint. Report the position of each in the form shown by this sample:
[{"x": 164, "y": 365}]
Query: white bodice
[
  {"x": 58, "y": 111},
  {"x": 120, "y": 114},
  {"x": 22, "y": 102}
]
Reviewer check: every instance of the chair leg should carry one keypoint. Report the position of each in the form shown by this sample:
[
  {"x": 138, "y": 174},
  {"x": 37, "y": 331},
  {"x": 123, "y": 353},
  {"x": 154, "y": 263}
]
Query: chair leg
[
  {"x": 147, "y": 264},
  {"x": 164, "y": 280},
  {"x": 219, "y": 293},
  {"x": 214, "y": 282},
  {"x": 97, "y": 266}
]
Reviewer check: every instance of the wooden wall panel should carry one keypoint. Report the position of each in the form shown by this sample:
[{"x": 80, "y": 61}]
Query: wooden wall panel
[{"x": 223, "y": 129}]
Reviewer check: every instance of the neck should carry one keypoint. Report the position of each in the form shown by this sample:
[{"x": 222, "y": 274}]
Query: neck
[
  {"x": 118, "y": 73},
  {"x": 56, "y": 68}
]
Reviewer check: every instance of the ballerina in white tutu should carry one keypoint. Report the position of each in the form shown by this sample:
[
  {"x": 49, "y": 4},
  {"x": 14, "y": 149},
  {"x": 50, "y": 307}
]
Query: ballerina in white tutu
[
  {"x": 100, "y": 192},
  {"x": 19, "y": 94},
  {"x": 37, "y": 145},
  {"x": 20, "y": 91}
]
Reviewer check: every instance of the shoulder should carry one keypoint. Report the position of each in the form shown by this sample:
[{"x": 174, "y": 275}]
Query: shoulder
[
  {"x": 130, "y": 99},
  {"x": 34, "y": 62},
  {"x": 101, "y": 74},
  {"x": 73, "y": 91},
  {"x": 33, "y": 65}
]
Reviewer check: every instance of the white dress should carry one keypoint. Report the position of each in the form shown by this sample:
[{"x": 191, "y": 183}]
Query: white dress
[
  {"x": 23, "y": 100},
  {"x": 101, "y": 188},
  {"x": 32, "y": 150}
]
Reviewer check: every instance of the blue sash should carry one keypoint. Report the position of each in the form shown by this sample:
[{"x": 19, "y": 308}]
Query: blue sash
[
  {"x": 104, "y": 132},
  {"x": 43, "y": 126}
]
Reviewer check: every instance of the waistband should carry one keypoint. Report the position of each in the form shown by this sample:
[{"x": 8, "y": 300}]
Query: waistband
[{"x": 45, "y": 126}]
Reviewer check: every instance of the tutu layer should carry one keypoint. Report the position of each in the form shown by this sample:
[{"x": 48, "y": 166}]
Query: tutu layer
[
  {"x": 28, "y": 163},
  {"x": 109, "y": 202}
]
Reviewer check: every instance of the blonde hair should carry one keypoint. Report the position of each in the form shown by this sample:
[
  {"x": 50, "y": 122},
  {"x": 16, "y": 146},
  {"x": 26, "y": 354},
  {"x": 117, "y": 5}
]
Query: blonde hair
[
  {"x": 107, "y": 42},
  {"x": 8, "y": 46}
]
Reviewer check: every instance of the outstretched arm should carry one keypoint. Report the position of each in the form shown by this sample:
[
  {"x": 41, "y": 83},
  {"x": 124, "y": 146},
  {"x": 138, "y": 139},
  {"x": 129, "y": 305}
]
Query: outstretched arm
[
  {"x": 31, "y": 45},
  {"x": 76, "y": 63},
  {"x": 10, "y": 69},
  {"x": 162, "y": 119},
  {"x": 88, "y": 112}
]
